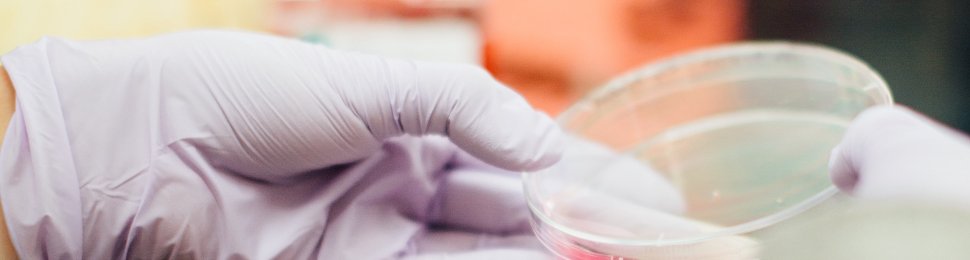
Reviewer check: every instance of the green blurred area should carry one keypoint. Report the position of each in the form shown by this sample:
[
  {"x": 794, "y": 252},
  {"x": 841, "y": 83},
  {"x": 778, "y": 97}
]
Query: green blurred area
[
  {"x": 920, "y": 47},
  {"x": 847, "y": 228}
]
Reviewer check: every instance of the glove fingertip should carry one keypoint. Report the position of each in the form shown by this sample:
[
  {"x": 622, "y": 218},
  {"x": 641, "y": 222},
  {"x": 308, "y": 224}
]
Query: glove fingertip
[
  {"x": 523, "y": 141},
  {"x": 843, "y": 175}
]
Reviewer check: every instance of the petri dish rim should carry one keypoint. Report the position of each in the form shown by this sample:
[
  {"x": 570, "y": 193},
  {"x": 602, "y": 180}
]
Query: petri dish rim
[{"x": 878, "y": 87}]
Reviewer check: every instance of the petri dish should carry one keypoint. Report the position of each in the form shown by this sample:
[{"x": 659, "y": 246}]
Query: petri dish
[{"x": 689, "y": 157}]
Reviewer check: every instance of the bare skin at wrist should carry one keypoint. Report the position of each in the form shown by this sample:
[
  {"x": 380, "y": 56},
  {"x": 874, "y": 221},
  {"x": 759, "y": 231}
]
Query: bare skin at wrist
[{"x": 7, "y": 101}]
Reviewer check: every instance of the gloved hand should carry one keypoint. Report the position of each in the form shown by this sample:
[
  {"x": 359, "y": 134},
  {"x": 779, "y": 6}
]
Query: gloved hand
[
  {"x": 892, "y": 152},
  {"x": 222, "y": 145}
]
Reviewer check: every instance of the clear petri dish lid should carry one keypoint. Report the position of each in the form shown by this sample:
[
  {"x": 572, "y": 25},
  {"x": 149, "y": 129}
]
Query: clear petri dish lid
[{"x": 708, "y": 146}]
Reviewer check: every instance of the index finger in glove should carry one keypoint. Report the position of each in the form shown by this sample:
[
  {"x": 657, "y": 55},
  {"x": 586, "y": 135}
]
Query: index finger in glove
[
  {"x": 480, "y": 115},
  {"x": 284, "y": 107}
]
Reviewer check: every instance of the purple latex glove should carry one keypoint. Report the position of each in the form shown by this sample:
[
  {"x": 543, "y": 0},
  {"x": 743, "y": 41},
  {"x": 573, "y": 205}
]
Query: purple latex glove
[
  {"x": 226, "y": 145},
  {"x": 423, "y": 198},
  {"x": 894, "y": 153}
]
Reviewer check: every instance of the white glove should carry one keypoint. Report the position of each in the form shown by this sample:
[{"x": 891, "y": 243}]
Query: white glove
[
  {"x": 228, "y": 144},
  {"x": 892, "y": 152}
]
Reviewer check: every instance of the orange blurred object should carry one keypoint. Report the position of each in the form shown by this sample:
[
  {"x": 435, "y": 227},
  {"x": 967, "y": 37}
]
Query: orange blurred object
[{"x": 554, "y": 51}]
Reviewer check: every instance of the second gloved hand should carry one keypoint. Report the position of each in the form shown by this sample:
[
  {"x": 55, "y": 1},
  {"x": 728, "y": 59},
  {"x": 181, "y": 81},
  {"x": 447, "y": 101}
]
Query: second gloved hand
[{"x": 895, "y": 153}]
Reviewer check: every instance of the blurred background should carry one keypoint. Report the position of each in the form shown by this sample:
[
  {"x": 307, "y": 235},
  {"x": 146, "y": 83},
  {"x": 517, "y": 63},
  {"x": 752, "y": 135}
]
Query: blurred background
[{"x": 554, "y": 51}]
